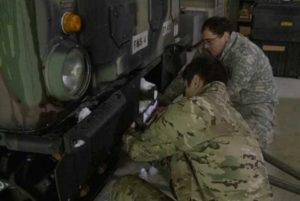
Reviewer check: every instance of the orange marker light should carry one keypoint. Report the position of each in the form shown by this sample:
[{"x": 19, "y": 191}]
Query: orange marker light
[{"x": 70, "y": 22}]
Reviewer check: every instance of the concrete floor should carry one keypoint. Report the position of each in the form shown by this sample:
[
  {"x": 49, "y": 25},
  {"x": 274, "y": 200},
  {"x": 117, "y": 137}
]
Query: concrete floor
[{"x": 284, "y": 147}]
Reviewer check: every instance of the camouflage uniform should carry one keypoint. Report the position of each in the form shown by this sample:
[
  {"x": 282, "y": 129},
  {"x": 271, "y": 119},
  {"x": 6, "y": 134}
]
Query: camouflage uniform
[
  {"x": 213, "y": 156},
  {"x": 251, "y": 86}
]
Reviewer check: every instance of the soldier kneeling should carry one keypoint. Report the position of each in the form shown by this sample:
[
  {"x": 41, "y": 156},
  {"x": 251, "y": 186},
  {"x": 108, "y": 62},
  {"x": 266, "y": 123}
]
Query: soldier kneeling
[{"x": 212, "y": 154}]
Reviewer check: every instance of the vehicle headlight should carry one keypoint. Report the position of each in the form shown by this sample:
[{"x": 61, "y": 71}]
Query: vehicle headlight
[
  {"x": 74, "y": 71},
  {"x": 67, "y": 71}
]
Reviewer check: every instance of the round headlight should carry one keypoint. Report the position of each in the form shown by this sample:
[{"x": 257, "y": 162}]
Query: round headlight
[
  {"x": 67, "y": 72},
  {"x": 74, "y": 71}
]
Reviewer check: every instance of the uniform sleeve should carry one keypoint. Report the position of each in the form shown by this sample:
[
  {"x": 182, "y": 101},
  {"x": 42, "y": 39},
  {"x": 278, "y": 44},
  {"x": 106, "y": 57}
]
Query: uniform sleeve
[
  {"x": 180, "y": 128},
  {"x": 243, "y": 69},
  {"x": 175, "y": 89}
]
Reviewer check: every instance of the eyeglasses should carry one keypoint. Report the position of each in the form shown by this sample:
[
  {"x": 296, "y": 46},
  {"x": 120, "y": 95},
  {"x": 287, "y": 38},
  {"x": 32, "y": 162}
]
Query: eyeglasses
[{"x": 208, "y": 41}]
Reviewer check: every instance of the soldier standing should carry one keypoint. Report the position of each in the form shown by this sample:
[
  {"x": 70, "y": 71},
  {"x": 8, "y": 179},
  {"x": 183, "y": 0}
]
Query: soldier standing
[{"x": 212, "y": 153}]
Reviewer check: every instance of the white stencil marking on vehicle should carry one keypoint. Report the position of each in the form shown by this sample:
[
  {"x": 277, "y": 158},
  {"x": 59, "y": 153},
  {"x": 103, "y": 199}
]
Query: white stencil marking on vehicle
[
  {"x": 139, "y": 42},
  {"x": 176, "y": 29},
  {"x": 167, "y": 27}
]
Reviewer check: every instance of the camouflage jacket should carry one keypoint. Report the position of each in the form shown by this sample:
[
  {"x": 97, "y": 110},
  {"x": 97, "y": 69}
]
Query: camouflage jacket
[
  {"x": 213, "y": 154},
  {"x": 251, "y": 74}
]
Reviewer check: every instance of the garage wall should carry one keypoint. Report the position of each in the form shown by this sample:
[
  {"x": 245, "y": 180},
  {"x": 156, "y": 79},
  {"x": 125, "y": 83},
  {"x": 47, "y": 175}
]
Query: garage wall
[{"x": 228, "y": 8}]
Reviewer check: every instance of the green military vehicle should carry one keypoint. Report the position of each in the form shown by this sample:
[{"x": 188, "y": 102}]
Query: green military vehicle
[{"x": 70, "y": 84}]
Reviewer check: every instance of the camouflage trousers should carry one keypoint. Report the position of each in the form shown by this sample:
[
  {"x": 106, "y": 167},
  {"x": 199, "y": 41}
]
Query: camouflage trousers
[
  {"x": 132, "y": 188},
  {"x": 260, "y": 118}
]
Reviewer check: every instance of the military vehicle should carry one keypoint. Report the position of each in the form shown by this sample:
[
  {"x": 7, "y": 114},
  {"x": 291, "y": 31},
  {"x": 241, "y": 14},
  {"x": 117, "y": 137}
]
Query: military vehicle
[{"x": 70, "y": 85}]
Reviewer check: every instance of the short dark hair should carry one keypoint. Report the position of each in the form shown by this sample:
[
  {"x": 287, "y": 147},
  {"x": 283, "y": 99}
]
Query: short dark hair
[
  {"x": 208, "y": 68},
  {"x": 218, "y": 25}
]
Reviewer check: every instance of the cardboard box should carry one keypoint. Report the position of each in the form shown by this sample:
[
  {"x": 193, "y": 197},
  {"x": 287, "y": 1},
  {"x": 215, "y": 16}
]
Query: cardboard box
[{"x": 245, "y": 30}]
